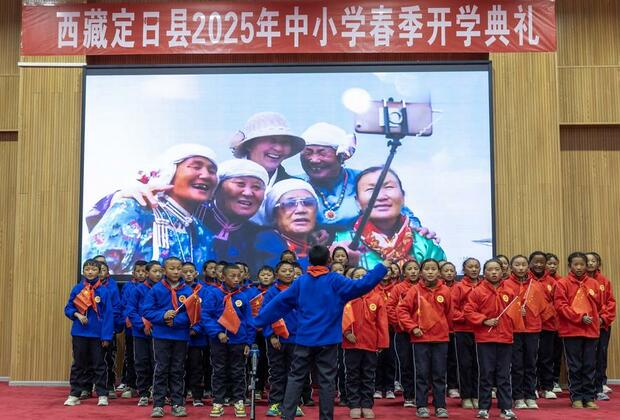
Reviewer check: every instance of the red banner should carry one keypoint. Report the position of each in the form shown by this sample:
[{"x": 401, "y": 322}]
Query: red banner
[{"x": 302, "y": 26}]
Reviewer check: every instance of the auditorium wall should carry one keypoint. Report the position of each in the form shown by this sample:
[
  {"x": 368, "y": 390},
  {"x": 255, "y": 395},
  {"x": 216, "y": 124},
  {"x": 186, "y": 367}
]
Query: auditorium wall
[{"x": 543, "y": 152}]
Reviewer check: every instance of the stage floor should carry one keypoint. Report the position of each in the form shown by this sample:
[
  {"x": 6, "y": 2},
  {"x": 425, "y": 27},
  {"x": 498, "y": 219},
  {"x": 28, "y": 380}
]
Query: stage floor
[{"x": 47, "y": 403}]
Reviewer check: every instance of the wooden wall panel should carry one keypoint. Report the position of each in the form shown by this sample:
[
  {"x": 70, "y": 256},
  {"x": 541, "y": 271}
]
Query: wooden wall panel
[
  {"x": 46, "y": 221},
  {"x": 591, "y": 188},
  {"x": 10, "y": 12},
  {"x": 8, "y": 182},
  {"x": 527, "y": 150},
  {"x": 589, "y": 95}
]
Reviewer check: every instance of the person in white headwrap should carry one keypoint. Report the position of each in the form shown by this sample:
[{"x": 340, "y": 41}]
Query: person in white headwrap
[
  {"x": 129, "y": 231},
  {"x": 291, "y": 210},
  {"x": 238, "y": 197}
]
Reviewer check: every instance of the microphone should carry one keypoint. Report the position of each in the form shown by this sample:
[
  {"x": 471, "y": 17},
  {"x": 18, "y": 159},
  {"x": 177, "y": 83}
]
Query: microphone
[{"x": 254, "y": 353}]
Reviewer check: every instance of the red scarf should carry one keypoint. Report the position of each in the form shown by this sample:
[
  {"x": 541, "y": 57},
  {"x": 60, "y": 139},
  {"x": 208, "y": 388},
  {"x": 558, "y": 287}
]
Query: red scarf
[
  {"x": 86, "y": 298},
  {"x": 147, "y": 284},
  {"x": 397, "y": 248},
  {"x": 229, "y": 319},
  {"x": 281, "y": 286},
  {"x": 317, "y": 270},
  {"x": 173, "y": 293}
]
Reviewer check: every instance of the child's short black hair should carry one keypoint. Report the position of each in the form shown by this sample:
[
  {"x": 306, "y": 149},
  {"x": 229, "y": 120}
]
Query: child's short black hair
[
  {"x": 280, "y": 264},
  {"x": 550, "y": 255},
  {"x": 574, "y": 255},
  {"x": 356, "y": 269},
  {"x": 205, "y": 264},
  {"x": 340, "y": 248},
  {"x": 242, "y": 263},
  {"x": 189, "y": 263},
  {"x": 412, "y": 261},
  {"x": 139, "y": 263},
  {"x": 492, "y": 260},
  {"x": 267, "y": 268},
  {"x": 222, "y": 262},
  {"x": 498, "y": 256},
  {"x": 318, "y": 255},
  {"x": 288, "y": 252},
  {"x": 296, "y": 265},
  {"x": 91, "y": 263},
  {"x": 103, "y": 264},
  {"x": 536, "y": 254},
  {"x": 595, "y": 255},
  {"x": 152, "y": 264},
  {"x": 430, "y": 260},
  {"x": 468, "y": 260},
  {"x": 229, "y": 267},
  {"x": 516, "y": 257},
  {"x": 172, "y": 259}
]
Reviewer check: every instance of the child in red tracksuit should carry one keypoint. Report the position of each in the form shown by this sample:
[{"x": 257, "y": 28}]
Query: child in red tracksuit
[
  {"x": 607, "y": 315},
  {"x": 558, "y": 348},
  {"x": 386, "y": 363},
  {"x": 365, "y": 332},
  {"x": 464, "y": 334},
  {"x": 426, "y": 312},
  {"x": 578, "y": 304},
  {"x": 487, "y": 311},
  {"x": 534, "y": 310},
  {"x": 448, "y": 276},
  {"x": 404, "y": 350},
  {"x": 549, "y": 332}
]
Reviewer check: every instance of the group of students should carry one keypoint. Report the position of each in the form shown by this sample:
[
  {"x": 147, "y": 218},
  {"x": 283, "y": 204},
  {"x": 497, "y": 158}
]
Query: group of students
[{"x": 418, "y": 328}]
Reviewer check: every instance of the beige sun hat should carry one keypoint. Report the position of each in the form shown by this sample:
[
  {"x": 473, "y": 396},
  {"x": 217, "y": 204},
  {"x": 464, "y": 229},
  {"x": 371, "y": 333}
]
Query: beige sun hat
[{"x": 265, "y": 124}]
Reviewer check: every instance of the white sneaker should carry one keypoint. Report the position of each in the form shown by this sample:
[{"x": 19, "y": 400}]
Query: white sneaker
[
  {"x": 390, "y": 395},
  {"x": 536, "y": 393},
  {"x": 127, "y": 393},
  {"x": 121, "y": 387},
  {"x": 377, "y": 395},
  {"x": 71, "y": 401},
  {"x": 398, "y": 387},
  {"x": 454, "y": 393},
  {"x": 607, "y": 389},
  {"x": 531, "y": 404},
  {"x": 557, "y": 388},
  {"x": 493, "y": 394},
  {"x": 409, "y": 404},
  {"x": 520, "y": 404},
  {"x": 482, "y": 414},
  {"x": 103, "y": 400},
  {"x": 549, "y": 395},
  {"x": 143, "y": 402}
]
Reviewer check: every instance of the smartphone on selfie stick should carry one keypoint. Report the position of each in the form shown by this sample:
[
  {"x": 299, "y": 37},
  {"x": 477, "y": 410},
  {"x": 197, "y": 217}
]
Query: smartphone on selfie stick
[{"x": 395, "y": 120}]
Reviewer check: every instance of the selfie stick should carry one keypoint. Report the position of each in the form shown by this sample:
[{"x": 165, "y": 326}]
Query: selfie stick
[{"x": 394, "y": 142}]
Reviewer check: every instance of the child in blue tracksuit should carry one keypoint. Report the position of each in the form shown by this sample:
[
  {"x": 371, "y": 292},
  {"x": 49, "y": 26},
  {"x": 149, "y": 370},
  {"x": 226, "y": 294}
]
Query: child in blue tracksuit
[
  {"x": 129, "y": 370},
  {"x": 119, "y": 322},
  {"x": 164, "y": 308},
  {"x": 90, "y": 308},
  {"x": 227, "y": 319},
  {"x": 197, "y": 350},
  {"x": 141, "y": 330},
  {"x": 319, "y": 298},
  {"x": 280, "y": 344}
]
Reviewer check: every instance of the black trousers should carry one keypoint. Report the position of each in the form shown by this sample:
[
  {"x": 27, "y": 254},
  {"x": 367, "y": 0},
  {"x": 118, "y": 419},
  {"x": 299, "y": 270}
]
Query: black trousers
[
  {"x": 342, "y": 380},
  {"x": 404, "y": 357},
  {"x": 129, "y": 368},
  {"x": 386, "y": 368},
  {"x": 581, "y": 363},
  {"x": 466, "y": 358},
  {"x": 194, "y": 372},
  {"x": 109, "y": 353},
  {"x": 494, "y": 365},
  {"x": 523, "y": 375},
  {"x": 169, "y": 371},
  {"x": 228, "y": 363},
  {"x": 558, "y": 350},
  {"x": 279, "y": 367},
  {"x": 430, "y": 367},
  {"x": 360, "y": 372},
  {"x": 262, "y": 370},
  {"x": 453, "y": 369},
  {"x": 88, "y": 366},
  {"x": 325, "y": 358},
  {"x": 546, "y": 351},
  {"x": 144, "y": 363},
  {"x": 600, "y": 378}
]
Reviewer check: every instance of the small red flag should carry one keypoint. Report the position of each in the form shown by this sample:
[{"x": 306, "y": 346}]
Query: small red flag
[
  {"x": 193, "y": 307},
  {"x": 581, "y": 303},
  {"x": 348, "y": 317},
  {"x": 229, "y": 319},
  {"x": 257, "y": 303},
  {"x": 279, "y": 328}
]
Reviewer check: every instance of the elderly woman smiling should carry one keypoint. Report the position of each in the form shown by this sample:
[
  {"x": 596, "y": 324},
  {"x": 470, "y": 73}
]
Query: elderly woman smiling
[
  {"x": 292, "y": 210},
  {"x": 129, "y": 232},
  {"x": 389, "y": 233}
]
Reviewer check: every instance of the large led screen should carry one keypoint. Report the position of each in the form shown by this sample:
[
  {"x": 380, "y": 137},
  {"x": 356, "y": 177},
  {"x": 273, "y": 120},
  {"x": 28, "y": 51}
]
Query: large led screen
[{"x": 242, "y": 163}]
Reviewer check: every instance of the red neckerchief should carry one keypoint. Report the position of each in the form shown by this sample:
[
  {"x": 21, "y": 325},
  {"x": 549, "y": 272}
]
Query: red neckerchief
[
  {"x": 397, "y": 248},
  {"x": 281, "y": 286},
  {"x": 317, "y": 270},
  {"x": 147, "y": 284},
  {"x": 173, "y": 293},
  {"x": 90, "y": 288}
]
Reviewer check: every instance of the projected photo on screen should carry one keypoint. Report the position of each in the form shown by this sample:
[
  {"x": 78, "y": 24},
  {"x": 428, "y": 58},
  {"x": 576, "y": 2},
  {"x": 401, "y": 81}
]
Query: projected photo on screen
[{"x": 241, "y": 164}]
